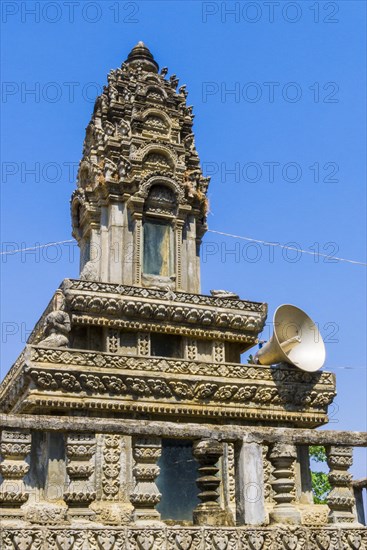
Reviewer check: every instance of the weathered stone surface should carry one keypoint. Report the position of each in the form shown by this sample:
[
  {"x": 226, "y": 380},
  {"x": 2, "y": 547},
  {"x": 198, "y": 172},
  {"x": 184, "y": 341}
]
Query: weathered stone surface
[{"x": 250, "y": 486}]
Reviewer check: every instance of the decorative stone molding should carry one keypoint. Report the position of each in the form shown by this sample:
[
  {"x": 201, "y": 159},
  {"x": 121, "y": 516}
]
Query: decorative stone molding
[
  {"x": 207, "y": 452},
  {"x": 183, "y": 538},
  {"x": 80, "y": 449},
  {"x": 145, "y": 496},
  {"x": 281, "y": 375},
  {"x": 15, "y": 446},
  {"x": 283, "y": 458},
  {"x": 249, "y": 391},
  {"x": 111, "y": 467},
  {"x": 111, "y": 508},
  {"x": 341, "y": 498},
  {"x": 170, "y": 386},
  {"x": 198, "y": 312},
  {"x": 73, "y": 285}
]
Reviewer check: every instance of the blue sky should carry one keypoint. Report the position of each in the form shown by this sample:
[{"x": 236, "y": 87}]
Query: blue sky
[{"x": 292, "y": 132}]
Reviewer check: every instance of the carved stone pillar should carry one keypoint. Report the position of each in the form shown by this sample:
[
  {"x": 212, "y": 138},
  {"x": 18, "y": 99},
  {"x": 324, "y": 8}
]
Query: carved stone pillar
[
  {"x": 219, "y": 352},
  {"x": 341, "y": 499},
  {"x": 229, "y": 480},
  {"x": 207, "y": 452},
  {"x": 137, "y": 252},
  {"x": 283, "y": 457},
  {"x": 191, "y": 350},
  {"x": 15, "y": 447},
  {"x": 80, "y": 448},
  {"x": 178, "y": 233},
  {"x": 143, "y": 343},
  {"x": 113, "y": 340},
  {"x": 250, "y": 485},
  {"x": 111, "y": 480},
  {"x": 145, "y": 496}
]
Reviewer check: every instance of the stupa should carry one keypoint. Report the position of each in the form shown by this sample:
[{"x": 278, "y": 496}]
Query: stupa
[{"x": 129, "y": 420}]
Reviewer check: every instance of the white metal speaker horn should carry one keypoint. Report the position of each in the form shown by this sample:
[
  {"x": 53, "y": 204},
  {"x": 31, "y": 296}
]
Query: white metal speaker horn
[{"x": 296, "y": 340}]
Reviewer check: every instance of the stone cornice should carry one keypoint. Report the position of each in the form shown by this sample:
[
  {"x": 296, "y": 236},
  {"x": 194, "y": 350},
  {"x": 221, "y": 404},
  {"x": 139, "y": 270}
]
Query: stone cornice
[
  {"x": 194, "y": 299},
  {"x": 139, "y": 308}
]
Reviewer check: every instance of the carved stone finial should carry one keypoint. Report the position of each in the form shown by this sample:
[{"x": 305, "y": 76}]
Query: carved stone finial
[{"x": 140, "y": 56}]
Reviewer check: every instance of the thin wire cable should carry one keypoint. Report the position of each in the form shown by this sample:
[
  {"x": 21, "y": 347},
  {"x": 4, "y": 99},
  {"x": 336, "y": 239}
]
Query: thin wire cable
[
  {"x": 287, "y": 247},
  {"x": 10, "y": 252},
  {"x": 249, "y": 239}
]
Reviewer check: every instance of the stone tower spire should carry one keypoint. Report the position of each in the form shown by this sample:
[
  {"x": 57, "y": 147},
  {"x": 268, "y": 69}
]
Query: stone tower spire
[{"x": 139, "y": 212}]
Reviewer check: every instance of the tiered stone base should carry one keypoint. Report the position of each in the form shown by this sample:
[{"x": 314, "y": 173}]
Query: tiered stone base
[{"x": 183, "y": 538}]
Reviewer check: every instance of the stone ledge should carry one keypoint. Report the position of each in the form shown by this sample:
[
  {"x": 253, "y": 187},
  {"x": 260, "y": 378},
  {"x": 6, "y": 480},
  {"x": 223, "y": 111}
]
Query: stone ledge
[{"x": 228, "y": 433}]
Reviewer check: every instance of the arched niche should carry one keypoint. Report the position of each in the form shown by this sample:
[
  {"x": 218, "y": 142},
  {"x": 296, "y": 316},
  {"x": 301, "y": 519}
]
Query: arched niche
[{"x": 160, "y": 208}]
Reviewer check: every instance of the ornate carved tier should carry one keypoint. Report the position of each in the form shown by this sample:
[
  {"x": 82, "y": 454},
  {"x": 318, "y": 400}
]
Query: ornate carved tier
[
  {"x": 161, "y": 388},
  {"x": 193, "y": 315}
]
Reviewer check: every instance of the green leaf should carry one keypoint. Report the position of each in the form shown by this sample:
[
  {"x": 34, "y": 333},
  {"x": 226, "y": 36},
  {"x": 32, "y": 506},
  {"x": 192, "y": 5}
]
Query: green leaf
[
  {"x": 320, "y": 487},
  {"x": 317, "y": 453}
]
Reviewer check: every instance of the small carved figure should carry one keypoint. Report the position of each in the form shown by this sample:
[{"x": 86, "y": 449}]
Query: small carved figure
[
  {"x": 164, "y": 71},
  {"x": 173, "y": 81},
  {"x": 57, "y": 324},
  {"x": 182, "y": 90}
]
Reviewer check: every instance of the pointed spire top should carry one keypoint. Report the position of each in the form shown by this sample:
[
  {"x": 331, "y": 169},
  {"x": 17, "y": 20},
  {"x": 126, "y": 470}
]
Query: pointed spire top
[{"x": 141, "y": 54}]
